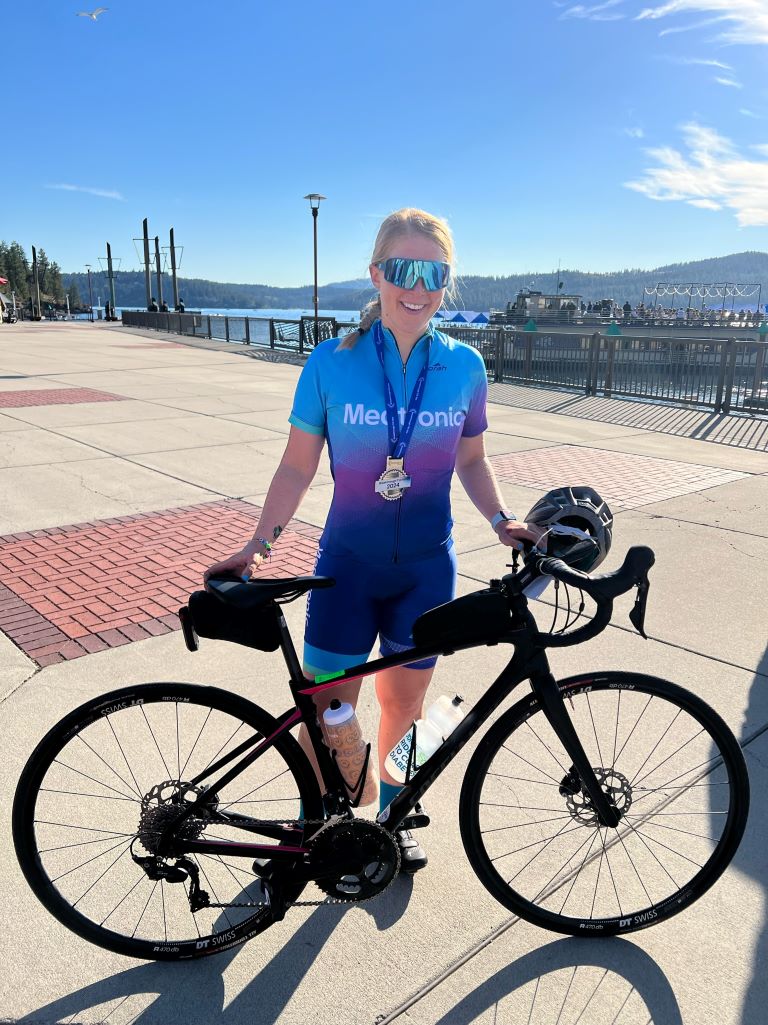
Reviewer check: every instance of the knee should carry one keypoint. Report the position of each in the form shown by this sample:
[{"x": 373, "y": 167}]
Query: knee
[{"x": 404, "y": 702}]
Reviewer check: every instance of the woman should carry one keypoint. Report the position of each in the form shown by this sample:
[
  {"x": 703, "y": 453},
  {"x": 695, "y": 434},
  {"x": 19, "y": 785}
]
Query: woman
[{"x": 401, "y": 407}]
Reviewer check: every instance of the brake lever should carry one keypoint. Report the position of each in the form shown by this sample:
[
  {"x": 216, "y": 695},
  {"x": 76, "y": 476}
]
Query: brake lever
[{"x": 637, "y": 612}]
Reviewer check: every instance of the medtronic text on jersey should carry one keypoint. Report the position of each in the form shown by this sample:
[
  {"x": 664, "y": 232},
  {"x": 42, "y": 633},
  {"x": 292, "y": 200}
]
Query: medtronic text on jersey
[{"x": 359, "y": 414}]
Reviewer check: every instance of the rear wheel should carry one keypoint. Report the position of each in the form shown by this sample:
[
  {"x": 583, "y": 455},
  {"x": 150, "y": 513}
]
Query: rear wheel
[
  {"x": 672, "y": 768},
  {"x": 103, "y": 784}
]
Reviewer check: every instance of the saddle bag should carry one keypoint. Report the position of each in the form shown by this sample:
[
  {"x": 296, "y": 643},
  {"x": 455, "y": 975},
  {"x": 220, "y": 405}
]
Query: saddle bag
[
  {"x": 208, "y": 616},
  {"x": 479, "y": 618}
]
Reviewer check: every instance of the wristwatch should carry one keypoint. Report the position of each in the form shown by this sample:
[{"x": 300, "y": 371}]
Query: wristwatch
[{"x": 501, "y": 517}]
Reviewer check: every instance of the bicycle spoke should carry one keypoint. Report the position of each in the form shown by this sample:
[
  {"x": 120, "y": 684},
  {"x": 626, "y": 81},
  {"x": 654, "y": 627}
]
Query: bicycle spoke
[
  {"x": 99, "y": 782},
  {"x": 144, "y": 909},
  {"x": 594, "y": 730},
  {"x": 152, "y": 732},
  {"x": 195, "y": 743},
  {"x": 241, "y": 800},
  {"x": 533, "y": 766},
  {"x": 111, "y": 768},
  {"x": 78, "y": 793}
]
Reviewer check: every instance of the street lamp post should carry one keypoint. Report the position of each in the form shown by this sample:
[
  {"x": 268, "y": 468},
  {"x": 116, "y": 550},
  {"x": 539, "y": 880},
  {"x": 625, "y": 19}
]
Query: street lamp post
[
  {"x": 314, "y": 202},
  {"x": 90, "y": 290}
]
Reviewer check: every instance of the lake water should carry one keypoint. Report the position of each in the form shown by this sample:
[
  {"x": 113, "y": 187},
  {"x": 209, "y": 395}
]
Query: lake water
[{"x": 344, "y": 316}]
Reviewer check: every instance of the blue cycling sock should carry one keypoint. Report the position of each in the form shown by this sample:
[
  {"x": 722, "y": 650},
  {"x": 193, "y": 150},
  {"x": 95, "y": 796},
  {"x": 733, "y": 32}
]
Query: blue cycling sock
[{"x": 387, "y": 793}]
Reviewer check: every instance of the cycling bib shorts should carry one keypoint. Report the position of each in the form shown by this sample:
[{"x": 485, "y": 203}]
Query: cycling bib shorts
[{"x": 363, "y": 605}]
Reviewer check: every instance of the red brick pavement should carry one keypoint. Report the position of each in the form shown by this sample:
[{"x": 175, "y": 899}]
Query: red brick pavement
[
  {"x": 68, "y": 591},
  {"x": 624, "y": 481},
  {"x": 55, "y": 397}
]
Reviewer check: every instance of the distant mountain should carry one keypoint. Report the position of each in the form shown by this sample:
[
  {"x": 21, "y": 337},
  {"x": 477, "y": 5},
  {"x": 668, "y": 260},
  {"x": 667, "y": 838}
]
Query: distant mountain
[{"x": 474, "y": 292}]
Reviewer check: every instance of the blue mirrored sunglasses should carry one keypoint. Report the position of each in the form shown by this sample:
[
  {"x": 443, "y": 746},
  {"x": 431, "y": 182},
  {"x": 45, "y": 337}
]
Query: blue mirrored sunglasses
[{"x": 405, "y": 273}]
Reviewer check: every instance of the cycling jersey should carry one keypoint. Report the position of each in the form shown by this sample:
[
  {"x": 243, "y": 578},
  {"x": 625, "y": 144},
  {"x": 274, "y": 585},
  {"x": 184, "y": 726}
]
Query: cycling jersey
[{"x": 341, "y": 395}]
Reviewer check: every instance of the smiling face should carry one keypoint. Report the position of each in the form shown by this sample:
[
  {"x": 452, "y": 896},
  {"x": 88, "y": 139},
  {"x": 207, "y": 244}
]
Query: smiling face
[{"x": 408, "y": 311}]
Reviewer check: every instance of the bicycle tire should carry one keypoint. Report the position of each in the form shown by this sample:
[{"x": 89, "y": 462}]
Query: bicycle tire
[
  {"x": 676, "y": 772},
  {"x": 92, "y": 769}
]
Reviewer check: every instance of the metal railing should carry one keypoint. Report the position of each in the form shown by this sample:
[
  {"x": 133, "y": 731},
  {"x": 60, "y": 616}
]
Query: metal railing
[
  {"x": 724, "y": 374},
  {"x": 290, "y": 335},
  {"x": 727, "y": 375}
]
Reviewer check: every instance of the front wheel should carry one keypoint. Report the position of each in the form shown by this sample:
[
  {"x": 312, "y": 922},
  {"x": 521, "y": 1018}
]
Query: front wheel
[
  {"x": 109, "y": 778},
  {"x": 671, "y": 767}
]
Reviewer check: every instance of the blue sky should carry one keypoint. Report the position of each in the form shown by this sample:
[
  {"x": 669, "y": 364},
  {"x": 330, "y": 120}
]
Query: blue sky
[{"x": 622, "y": 133}]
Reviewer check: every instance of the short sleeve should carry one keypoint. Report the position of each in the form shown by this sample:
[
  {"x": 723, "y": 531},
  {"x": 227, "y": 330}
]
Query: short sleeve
[
  {"x": 477, "y": 421},
  {"x": 308, "y": 412}
]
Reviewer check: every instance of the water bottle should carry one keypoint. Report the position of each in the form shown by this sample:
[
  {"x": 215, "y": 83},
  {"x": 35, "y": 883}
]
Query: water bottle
[
  {"x": 346, "y": 738},
  {"x": 443, "y": 716}
]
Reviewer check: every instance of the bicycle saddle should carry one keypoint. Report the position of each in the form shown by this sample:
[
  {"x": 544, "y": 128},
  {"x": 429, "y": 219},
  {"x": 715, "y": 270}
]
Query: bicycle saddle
[{"x": 253, "y": 594}]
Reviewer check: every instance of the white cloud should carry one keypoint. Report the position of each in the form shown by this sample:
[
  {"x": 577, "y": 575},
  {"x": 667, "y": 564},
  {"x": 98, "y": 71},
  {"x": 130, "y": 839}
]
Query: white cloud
[
  {"x": 744, "y": 21},
  {"x": 595, "y": 12},
  {"x": 750, "y": 113},
  {"x": 634, "y": 133},
  {"x": 713, "y": 174},
  {"x": 104, "y": 193},
  {"x": 703, "y": 61},
  {"x": 729, "y": 82}
]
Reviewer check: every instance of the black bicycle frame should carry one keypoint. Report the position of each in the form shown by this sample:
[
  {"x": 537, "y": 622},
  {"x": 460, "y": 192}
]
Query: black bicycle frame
[{"x": 529, "y": 662}]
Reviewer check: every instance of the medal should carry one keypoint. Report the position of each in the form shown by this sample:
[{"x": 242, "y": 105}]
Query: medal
[{"x": 392, "y": 484}]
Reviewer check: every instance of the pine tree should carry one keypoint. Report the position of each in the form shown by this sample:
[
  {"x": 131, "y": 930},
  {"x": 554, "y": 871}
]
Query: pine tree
[
  {"x": 17, "y": 269},
  {"x": 43, "y": 267},
  {"x": 74, "y": 297},
  {"x": 55, "y": 284}
]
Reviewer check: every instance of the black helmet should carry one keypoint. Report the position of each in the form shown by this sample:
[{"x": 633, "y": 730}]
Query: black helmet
[{"x": 578, "y": 526}]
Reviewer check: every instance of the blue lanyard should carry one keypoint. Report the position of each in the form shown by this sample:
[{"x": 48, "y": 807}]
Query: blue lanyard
[{"x": 400, "y": 439}]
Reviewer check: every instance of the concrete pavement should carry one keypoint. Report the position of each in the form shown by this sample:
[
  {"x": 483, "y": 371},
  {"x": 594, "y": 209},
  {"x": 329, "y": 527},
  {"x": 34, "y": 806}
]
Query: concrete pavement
[{"x": 116, "y": 443}]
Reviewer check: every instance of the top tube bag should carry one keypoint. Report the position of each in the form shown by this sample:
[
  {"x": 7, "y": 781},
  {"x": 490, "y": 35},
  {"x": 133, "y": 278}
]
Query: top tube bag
[{"x": 482, "y": 617}]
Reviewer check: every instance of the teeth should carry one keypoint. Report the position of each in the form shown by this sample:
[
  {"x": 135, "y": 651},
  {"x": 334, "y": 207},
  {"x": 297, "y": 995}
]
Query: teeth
[{"x": 410, "y": 306}]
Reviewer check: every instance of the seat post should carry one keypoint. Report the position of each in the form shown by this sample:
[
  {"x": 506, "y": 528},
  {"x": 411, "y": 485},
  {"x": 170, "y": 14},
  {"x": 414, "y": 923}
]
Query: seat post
[{"x": 289, "y": 652}]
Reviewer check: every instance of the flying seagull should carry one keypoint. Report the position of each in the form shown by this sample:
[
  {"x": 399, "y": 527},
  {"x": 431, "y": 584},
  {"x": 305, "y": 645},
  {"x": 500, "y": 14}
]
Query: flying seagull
[{"x": 93, "y": 15}]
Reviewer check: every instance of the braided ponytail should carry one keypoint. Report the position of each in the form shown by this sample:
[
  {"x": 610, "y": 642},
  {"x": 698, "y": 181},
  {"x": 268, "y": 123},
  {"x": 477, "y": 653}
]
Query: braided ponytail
[{"x": 369, "y": 313}]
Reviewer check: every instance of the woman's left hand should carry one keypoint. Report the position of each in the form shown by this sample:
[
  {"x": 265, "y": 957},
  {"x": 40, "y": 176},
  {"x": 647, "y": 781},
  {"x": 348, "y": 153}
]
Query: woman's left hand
[{"x": 512, "y": 533}]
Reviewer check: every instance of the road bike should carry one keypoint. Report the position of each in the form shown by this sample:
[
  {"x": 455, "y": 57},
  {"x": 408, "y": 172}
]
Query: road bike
[{"x": 170, "y": 821}]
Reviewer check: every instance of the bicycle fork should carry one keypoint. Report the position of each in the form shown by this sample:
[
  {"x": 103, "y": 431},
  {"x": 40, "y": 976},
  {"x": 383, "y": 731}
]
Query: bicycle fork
[{"x": 546, "y": 690}]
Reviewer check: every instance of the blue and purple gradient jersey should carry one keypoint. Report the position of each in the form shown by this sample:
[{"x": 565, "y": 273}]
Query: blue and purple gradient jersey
[{"x": 340, "y": 395}]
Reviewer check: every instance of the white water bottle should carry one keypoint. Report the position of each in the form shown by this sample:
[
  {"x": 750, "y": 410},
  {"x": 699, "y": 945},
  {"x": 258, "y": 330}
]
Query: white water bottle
[
  {"x": 346, "y": 738},
  {"x": 443, "y": 716}
]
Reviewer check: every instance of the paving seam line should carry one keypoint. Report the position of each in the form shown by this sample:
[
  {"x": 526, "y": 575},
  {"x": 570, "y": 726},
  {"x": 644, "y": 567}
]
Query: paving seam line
[{"x": 459, "y": 962}]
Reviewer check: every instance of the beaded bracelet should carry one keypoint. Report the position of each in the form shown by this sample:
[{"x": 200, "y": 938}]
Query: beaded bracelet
[{"x": 267, "y": 545}]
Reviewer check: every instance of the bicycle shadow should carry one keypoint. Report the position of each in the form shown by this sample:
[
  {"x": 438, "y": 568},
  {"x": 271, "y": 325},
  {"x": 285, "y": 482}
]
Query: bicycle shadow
[
  {"x": 193, "y": 992},
  {"x": 752, "y": 856},
  {"x": 563, "y": 979}
]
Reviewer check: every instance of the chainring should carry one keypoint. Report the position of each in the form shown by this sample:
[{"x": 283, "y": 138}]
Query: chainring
[{"x": 356, "y": 860}]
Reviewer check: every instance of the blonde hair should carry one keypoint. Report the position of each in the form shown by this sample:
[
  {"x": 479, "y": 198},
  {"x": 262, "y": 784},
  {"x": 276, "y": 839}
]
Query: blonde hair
[{"x": 408, "y": 221}]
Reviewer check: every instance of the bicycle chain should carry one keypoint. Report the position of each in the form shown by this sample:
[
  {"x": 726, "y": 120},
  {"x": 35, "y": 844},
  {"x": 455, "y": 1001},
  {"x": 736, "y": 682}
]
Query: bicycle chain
[{"x": 324, "y": 824}]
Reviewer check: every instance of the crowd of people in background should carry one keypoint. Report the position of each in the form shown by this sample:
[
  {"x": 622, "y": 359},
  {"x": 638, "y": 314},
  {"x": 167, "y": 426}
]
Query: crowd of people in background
[
  {"x": 660, "y": 316},
  {"x": 670, "y": 315}
]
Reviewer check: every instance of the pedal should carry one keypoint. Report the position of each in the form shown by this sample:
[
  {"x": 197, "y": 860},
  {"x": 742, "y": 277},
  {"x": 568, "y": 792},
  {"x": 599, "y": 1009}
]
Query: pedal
[{"x": 417, "y": 821}]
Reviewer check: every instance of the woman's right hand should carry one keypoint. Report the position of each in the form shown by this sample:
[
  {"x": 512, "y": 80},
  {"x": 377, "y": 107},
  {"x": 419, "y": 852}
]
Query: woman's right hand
[{"x": 243, "y": 564}]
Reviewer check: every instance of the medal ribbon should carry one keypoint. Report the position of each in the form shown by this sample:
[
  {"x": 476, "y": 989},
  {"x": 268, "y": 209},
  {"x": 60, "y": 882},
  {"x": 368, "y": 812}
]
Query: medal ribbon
[{"x": 399, "y": 440}]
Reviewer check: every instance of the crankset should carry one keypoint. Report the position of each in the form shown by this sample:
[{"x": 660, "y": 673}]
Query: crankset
[{"x": 354, "y": 860}]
